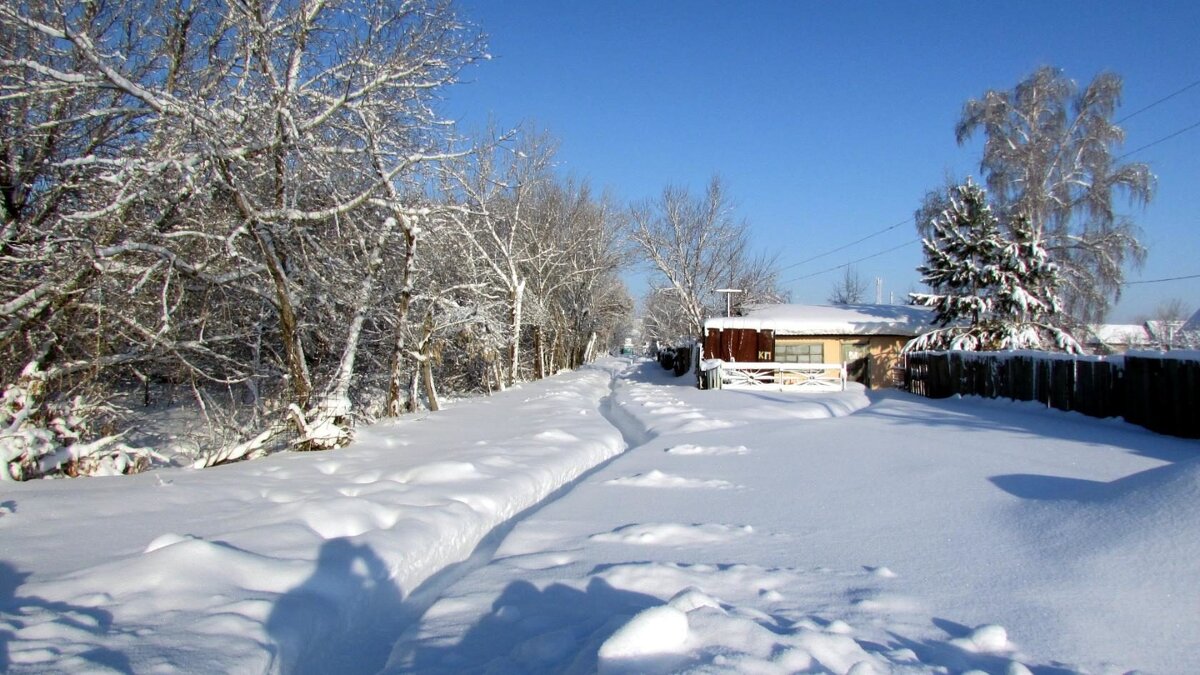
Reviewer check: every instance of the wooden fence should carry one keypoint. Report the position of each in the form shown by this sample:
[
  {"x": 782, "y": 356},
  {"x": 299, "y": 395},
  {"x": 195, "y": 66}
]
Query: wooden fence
[{"x": 1161, "y": 393}]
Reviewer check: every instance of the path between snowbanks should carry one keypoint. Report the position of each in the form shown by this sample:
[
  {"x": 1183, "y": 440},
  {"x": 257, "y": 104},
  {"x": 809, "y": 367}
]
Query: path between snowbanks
[
  {"x": 292, "y": 563},
  {"x": 915, "y": 536}
]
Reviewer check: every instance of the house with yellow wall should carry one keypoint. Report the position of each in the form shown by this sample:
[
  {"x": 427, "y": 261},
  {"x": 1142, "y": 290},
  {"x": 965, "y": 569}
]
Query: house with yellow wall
[{"x": 866, "y": 338}]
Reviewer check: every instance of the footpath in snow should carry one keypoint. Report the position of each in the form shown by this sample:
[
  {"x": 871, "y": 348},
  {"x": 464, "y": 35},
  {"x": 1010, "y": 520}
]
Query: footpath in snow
[
  {"x": 617, "y": 519},
  {"x": 912, "y": 536},
  {"x": 300, "y": 562}
]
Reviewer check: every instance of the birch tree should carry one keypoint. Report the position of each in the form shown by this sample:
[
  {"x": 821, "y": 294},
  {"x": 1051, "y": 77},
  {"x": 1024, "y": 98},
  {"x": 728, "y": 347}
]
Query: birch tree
[
  {"x": 850, "y": 289},
  {"x": 1049, "y": 156}
]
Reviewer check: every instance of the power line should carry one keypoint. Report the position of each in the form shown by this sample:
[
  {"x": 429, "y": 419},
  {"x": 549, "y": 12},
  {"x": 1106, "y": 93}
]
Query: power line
[
  {"x": 852, "y": 262},
  {"x": 1164, "y": 138},
  {"x": 1159, "y": 281},
  {"x": 1164, "y": 99},
  {"x": 889, "y": 228}
]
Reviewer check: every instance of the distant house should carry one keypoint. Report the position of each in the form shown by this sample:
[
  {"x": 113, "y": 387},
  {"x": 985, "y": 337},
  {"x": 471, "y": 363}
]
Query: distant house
[
  {"x": 868, "y": 338},
  {"x": 1117, "y": 338}
]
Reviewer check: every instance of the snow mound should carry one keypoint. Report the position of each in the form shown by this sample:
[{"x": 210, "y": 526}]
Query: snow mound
[
  {"x": 557, "y": 436},
  {"x": 439, "y": 472},
  {"x": 653, "y": 632},
  {"x": 986, "y": 639},
  {"x": 692, "y": 598},
  {"x": 690, "y": 449},
  {"x": 166, "y": 540},
  {"x": 345, "y": 516},
  {"x": 658, "y": 479},
  {"x": 1142, "y": 507},
  {"x": 673, "y": 534},
  {"x": 1151, "y": 492},
  {"x": 882, "y": 572}
]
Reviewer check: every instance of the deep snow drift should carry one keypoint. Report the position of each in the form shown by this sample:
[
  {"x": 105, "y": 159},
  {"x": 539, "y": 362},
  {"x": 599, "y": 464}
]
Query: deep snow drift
[{"x": 742, "y": 532}]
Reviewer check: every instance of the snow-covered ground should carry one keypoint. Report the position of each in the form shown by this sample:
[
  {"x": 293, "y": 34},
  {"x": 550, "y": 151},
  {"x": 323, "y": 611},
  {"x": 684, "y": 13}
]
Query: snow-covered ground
[{"x": 739, "y": 531}]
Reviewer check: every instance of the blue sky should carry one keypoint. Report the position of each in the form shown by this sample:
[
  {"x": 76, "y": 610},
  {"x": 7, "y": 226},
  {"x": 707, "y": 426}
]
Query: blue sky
[{"x": 829, "y": 121}]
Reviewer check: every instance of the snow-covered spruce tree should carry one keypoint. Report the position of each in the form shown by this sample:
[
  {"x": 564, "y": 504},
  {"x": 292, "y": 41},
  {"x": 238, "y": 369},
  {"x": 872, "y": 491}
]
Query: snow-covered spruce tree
[{"x": 992, "y": 283}]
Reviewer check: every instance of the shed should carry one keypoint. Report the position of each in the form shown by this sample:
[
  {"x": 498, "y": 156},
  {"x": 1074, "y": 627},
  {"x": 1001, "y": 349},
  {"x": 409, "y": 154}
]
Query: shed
[{"x": 868, "y": 338}]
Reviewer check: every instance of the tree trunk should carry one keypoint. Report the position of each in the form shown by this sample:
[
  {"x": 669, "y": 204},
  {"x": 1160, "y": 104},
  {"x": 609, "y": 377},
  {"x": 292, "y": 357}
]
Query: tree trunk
[
  {"x": 588, "y": 354},
  {"x": 430, "y": 390},
  {"x": 396, "y": 376},
  {"x": 426, "y": 359},
  {"x": 516, "y": 298},
  {"x": 289, "y": 323},
  {"x": 539, "y": 350},
  {"x": 339, "y": 393},
  {"x": 414, "y": 392}
]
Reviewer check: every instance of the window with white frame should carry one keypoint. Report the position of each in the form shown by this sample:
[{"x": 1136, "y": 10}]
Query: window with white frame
[{"x": 800, "y": 352}]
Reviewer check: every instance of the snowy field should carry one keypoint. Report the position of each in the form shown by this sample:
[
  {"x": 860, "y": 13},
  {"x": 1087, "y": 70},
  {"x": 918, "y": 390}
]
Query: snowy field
[{"x": 677, "y": 529}]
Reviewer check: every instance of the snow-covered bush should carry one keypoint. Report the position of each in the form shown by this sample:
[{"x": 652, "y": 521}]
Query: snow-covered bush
[{"x": 39, "y": 439}]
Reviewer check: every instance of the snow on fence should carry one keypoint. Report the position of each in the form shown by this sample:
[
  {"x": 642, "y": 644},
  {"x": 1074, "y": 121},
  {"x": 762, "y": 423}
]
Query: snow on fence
[
  {"x": 1160, "y": 391},
  {"x": 773, "y": 375}
]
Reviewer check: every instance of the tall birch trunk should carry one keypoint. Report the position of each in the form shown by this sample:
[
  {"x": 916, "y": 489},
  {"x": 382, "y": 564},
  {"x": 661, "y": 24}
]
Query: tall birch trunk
[
  {"x": 516, "y": 299},
  {"x": 539, "y": 350},
  {"x": 396, "y": 376}
]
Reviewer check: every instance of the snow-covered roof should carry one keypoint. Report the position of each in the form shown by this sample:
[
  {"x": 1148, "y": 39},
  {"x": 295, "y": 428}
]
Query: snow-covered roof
[
  {"x": 904, "y": 320},
  {"x": 1192, "y": 325},
  {"x": 1163, "y": 331},
  {"x": 1133, "y": 334}
]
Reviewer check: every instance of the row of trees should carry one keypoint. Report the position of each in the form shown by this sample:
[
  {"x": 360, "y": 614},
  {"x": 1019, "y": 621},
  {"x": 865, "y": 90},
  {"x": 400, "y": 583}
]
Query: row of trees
[
  {"x": 261, "y": 203},
  {"x": 1045, "y": 253}
]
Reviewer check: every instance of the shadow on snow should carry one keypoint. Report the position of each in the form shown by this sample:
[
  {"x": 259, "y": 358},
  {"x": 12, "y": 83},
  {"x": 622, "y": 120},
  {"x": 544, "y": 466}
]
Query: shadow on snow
[
  {"x": 15, "y": 608},
  {"x": 338, "y": 619},
  {"x": 1025, "y": 418},
  {"x": 555, "y": 630}
]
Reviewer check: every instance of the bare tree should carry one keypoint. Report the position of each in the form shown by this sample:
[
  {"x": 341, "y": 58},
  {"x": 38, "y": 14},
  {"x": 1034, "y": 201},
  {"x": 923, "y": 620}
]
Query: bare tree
[
  {"x": 663, "y": 319},
  {"x": 571, "y": 265},
  {"x": 1049, "y": 158},
  {"x": 849, "y": 290},
  {"x": 495, "y": 193},
  {"x": 1172, "y": 309},
  {"x": 697, "y": 246}
]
